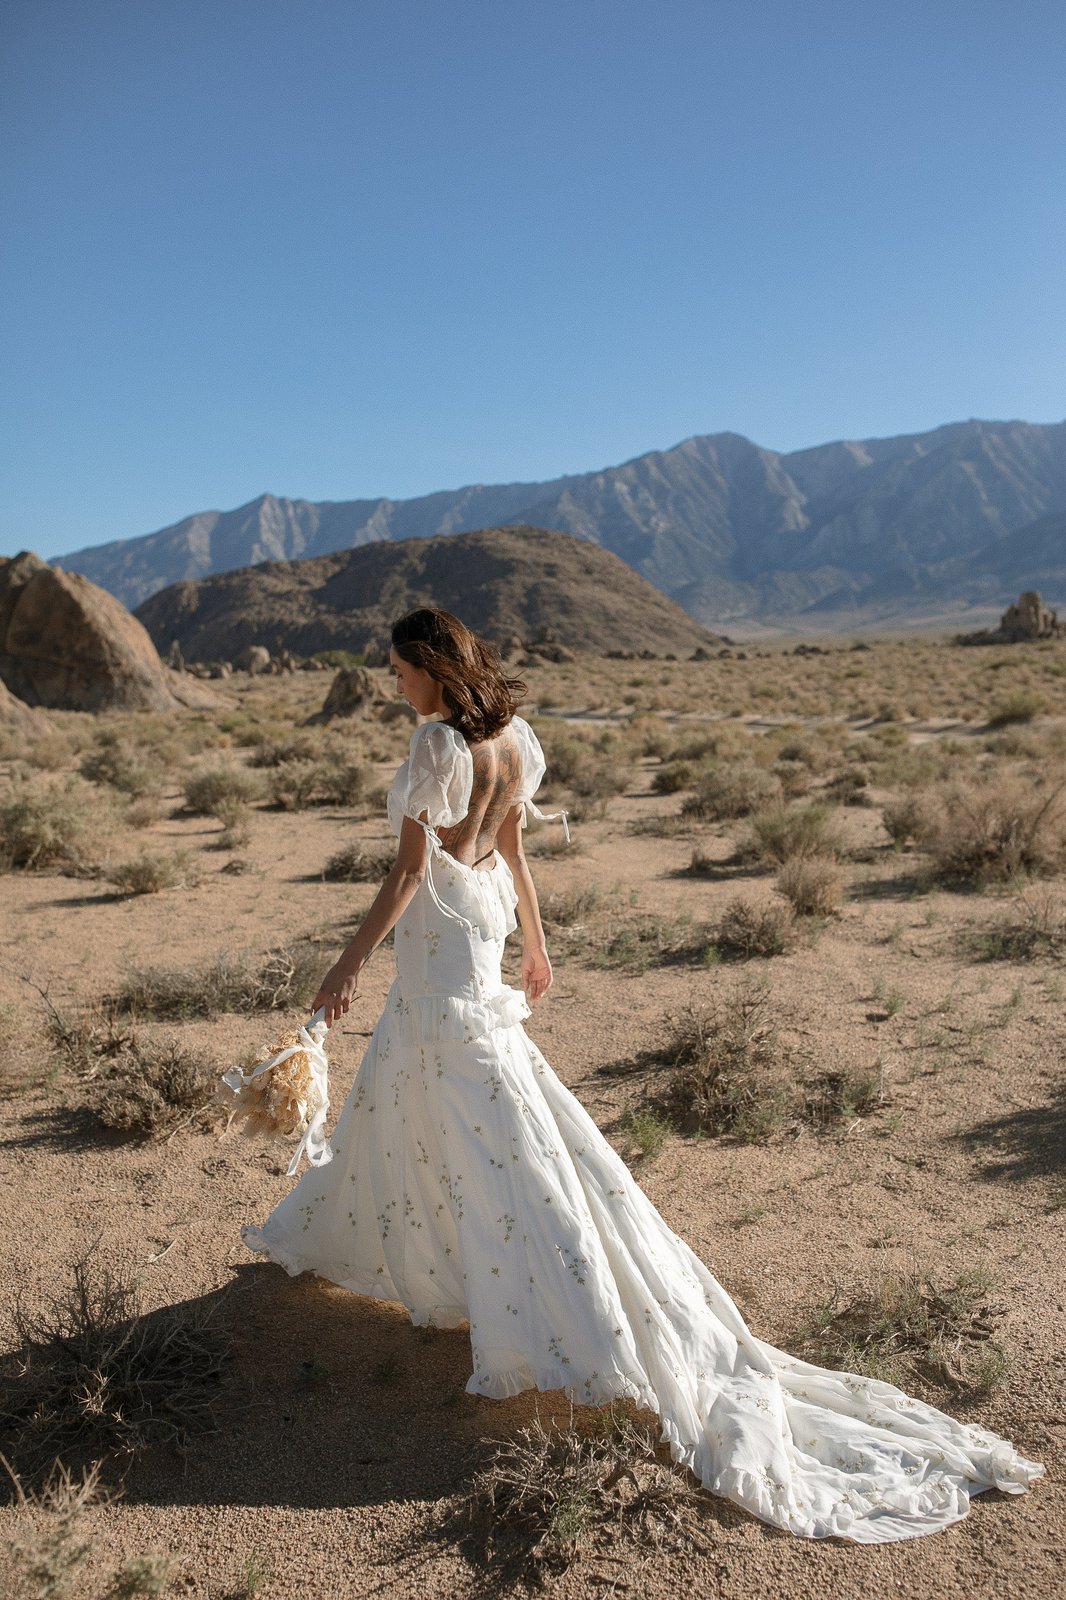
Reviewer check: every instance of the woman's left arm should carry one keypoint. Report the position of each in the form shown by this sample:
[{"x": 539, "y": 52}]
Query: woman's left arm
[{"x": 340, "y": 985}]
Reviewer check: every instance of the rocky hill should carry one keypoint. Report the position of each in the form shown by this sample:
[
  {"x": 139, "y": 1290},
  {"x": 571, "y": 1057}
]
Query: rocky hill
[
  {"x": 728, "y": 529},
  {"x": 507, "y": 583}
]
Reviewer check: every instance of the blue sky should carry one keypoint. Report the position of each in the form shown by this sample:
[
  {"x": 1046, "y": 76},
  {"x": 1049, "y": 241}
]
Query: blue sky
[{"x": 343, "y": 248}]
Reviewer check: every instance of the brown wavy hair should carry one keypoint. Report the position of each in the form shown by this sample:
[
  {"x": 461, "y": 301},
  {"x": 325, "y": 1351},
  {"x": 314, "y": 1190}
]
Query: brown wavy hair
[{"x": 480, "y": 698}]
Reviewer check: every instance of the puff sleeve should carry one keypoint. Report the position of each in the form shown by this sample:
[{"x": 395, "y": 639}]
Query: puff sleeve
[
  {"x": 436, "y": 778},
  {"x": 533, "y": 769}
]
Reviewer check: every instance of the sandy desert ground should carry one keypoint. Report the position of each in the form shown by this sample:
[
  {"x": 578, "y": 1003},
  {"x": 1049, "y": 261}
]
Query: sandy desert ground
[{"x": 923, "y": 1011}]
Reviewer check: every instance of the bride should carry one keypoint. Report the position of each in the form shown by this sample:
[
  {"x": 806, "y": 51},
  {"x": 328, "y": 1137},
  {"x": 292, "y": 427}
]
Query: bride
[{"x": 470, "y": 1185}]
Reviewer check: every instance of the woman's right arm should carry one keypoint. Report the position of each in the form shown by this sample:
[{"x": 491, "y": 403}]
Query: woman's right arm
[{"x": 536, "y": 968}]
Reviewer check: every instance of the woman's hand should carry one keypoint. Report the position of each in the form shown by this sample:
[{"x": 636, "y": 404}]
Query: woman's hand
[
  {"x": 339, "y": 988},
  {"x": 536, "y": 972}
]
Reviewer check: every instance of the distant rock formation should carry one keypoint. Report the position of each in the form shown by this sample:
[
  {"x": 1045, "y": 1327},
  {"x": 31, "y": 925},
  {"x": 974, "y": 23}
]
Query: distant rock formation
[
  {"x": 354, "y": 689},
  {"x": 66, "y": 644},
  {"x": 553, "y": 590},
  {"x": 1027, "y": 620}
]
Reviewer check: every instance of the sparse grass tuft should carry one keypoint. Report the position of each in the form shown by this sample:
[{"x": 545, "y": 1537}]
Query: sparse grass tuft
[
  {"x": 550, "y": 1496},
  {"x": 731, "y": 791},
  {"x": 278, "y": 980},
  {"x": 790, "y": 833},
  {"x": 121, "y": 764},
  {"x": 356, "y": 864},
  {"x": 1021, "y": 705},
  {"x": 902, "y": 1324},
  {"x": 1036, "y": 929},
  {"x": 51, "y": 1547},
  {"x": 223, "y": 784},
  {"x": 748, "y": 929},
  {"x": 994, "y": 831},
  {"x": 96, "y": 1377},
  {"x": 335, "y": 780},
  {"x": 644, "y": 1133},
  {"x": 148, "y": 874},
  {"x": 44, "y": 825},
  {"x": 730, "y": 1073},
  {"x": 812, "y": 887}
]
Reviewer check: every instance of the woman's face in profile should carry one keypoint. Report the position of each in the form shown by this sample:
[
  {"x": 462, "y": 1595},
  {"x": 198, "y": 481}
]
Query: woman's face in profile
[{"x": 416, "y": 686}]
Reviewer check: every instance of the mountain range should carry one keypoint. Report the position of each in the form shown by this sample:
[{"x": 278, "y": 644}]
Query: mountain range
[{"x": 875, "y": 529}]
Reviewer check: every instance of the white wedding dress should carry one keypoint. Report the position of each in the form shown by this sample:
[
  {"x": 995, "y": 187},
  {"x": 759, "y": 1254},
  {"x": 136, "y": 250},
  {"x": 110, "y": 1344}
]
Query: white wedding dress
[{"x": 469, "y": 1184}]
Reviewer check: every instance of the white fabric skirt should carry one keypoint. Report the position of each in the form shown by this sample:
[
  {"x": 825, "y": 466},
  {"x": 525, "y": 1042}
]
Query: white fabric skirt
[{"x": 469, "y": 1184}]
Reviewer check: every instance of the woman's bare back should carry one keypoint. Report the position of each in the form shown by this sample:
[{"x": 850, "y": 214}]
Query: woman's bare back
[{"x": 497, "y": 777}]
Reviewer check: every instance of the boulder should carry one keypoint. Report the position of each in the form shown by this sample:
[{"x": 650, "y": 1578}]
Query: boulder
[
  {"x": 353, "y": 689},
  {"x": 254, "y": 658},
  {"x": 67, "y": 644}
]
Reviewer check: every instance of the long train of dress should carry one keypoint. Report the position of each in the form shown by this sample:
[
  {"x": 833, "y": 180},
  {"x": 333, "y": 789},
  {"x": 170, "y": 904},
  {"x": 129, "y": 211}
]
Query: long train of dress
[{"x": 468, "y": 1183}]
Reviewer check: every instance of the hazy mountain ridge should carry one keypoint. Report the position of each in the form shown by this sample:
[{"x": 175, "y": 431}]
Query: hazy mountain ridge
[{"x": 727, "y": 528}]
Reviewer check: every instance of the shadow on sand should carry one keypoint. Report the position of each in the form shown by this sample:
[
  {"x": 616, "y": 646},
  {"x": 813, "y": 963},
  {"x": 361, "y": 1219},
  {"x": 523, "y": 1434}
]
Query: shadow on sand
[{"x": 1024, "y": 1144}]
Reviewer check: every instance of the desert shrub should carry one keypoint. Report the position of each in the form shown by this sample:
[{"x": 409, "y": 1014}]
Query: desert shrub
[
  {"x": 674, "y": 775},
  {"x": 222, "y": 784},
  {"x": 549, "y": 1496},
  {"x": 340, "y": 658},
  {"x": 567, "y": 908},
  {"x": 905, "y": 817},
  {"x": 781, "y": 833},
  {"x": 357, "y": 864},
  {"x": 812, "y": 886},
  {"x": 642, "y": 941},
  {"x": 50, "y": 751},
  {"x": 47, "y": 1556},
  {"x": 1021, "y": 705},
  {"x": 148, "y": 874},
  {"x": 280, "y": 979},
  {"x": 142, "y": 813},
  {"x": 117, "y": 762},
  {"x": 794, "y": 778},
  {"x": 294, "y": 785},
  {"x": 334, "y": 780},
  {"x": 45, "y": 824},
  {"x": 147, "y": 1090},
  {"x": 849, "y": 787},
  {"x": 994, "y": 831},
  {"x": 97, "y": 1377},
  {"x": 749, "y": 929},
  {"x": 650, "y": 736},
  {"x": 699, "y": 748},
  {"x": 801, "y": 752},
  {"x": 730, "y": 1073},
  {"x": 276, "y": 751},
  {"x": 901, "y": 1324},
  {"x": 1037, "y": 928},
  {"x": 550, "y": 840},
  {"x": 236, "y": 819},
  {"x": 732, "y": 791},
  {"x": 589, "y": 769}
]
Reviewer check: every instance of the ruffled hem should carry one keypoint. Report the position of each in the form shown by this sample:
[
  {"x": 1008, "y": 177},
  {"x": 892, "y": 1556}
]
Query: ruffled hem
[
  {"x": 505, "y": 1383},
  {"x": 444, "y": 1019}
]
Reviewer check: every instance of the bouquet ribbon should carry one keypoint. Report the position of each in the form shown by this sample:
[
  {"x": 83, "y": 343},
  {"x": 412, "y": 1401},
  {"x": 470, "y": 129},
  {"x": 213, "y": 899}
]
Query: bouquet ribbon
[{"x": 310, "y": 1036}]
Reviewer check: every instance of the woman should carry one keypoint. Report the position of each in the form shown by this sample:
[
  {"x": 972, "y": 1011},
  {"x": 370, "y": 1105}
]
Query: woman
[{"x": 469, "y": 1184}]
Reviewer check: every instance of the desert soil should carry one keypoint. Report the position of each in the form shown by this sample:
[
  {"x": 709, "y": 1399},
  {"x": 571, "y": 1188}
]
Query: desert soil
[{"x": 338, "y": 1486}]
